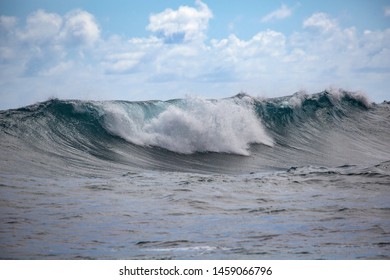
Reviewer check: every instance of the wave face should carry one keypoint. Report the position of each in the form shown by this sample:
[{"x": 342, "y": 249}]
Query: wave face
[{"x": 236, "y": 134}]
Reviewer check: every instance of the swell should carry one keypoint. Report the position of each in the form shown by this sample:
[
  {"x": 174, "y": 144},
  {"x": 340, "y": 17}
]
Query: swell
[
  {"x": 328, "y": 128},
  {"x": 55, "y": 135},
  {"x": 325, "y": 107}
]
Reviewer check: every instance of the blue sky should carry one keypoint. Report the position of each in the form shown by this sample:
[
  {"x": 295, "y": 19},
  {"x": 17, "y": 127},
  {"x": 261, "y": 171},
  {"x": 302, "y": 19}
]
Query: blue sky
[{"x": 140, "y": 50}]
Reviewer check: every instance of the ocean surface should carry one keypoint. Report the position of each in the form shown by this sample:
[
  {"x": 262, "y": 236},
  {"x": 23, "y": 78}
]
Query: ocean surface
[{"x": 305, "y": 176}]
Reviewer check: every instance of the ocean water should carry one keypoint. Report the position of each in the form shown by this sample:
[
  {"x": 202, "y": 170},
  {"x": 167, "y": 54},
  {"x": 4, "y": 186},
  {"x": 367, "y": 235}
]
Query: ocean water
[{"x": 297, "y": 177}]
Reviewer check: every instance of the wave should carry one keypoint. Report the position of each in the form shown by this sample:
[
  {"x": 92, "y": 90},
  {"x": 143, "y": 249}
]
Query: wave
[
  {"x": 187, "y": 126},
  {"x": 328, "y": 128}
]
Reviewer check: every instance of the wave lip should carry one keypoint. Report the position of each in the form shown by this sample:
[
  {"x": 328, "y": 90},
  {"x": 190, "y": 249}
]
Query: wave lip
[{"x": 190, "y": 125}]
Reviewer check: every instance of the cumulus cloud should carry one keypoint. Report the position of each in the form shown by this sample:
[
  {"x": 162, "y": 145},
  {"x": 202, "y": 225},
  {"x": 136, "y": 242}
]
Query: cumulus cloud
[
  {"x": 281, "y": 13},
  {"x": 184, "y": 24},
  {"x": 65, "y": 55},
  {"x": 267, "y": 60},
  {"x": 80, "y": 28},
  {"x": 41, "y": 27},
  {"x": 320, "y": 21},
  {"x": 75, "y": 28},
  {"x": 46, "y": 39}
]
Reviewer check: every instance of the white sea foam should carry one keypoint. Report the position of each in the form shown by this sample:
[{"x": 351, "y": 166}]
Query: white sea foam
[
  {"x": 193, "y": 125},
  {"x": 185, "y": 249},
  {"x": 338, "y": 94}
]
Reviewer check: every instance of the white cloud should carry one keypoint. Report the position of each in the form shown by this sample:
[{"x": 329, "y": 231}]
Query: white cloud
[
  {"x": 246, "y": 60},
  {"x": 121, "y": 56},
  {"x": 387, "y": 11},
  {"x": 76, "y": 28},
  {"x": 320, "y": 21},
  {"x": 7, "y": 22},
  {"x": 7, "y": 36},
  {"x": 152, "y": 67},
  {"x": 121, "y": 63},
  {"x": 281, "y": 13},
  {"x": 184, "y": 24},
  {"x": 80, "y": 28},
  {"x": 46, "y": 39},
  {"x": 41, "y": 27}
]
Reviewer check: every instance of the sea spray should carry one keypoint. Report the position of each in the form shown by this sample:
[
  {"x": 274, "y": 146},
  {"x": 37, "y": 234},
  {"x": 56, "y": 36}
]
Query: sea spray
[{"x": 191, "y": 125}]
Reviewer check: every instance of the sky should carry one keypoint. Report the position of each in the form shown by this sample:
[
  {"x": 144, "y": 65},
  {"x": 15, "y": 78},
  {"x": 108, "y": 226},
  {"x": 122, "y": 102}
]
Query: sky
[{"x": 148, "y": 50}]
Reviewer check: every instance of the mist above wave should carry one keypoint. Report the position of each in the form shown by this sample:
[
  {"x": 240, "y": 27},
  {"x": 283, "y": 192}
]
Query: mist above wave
[{"x": 189, "y": 125}]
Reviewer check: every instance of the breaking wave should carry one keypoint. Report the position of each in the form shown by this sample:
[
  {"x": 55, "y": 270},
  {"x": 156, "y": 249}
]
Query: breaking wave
[
  {"x": 187, "y": 126},
  {"x": 327, "y": 128}
]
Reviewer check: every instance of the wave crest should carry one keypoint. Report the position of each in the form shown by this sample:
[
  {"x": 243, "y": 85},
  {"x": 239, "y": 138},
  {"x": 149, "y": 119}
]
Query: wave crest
[{"x": 189, "y": 125}]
